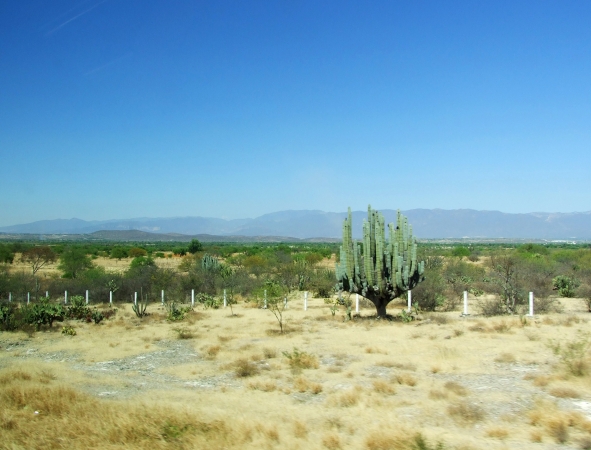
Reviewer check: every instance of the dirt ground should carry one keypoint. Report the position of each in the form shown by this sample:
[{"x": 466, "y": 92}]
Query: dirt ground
[{"x": 467, "y": 382}]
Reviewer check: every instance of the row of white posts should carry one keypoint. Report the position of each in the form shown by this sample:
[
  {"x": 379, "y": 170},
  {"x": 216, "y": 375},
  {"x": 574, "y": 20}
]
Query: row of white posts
[{"x": 409, "y": 304}]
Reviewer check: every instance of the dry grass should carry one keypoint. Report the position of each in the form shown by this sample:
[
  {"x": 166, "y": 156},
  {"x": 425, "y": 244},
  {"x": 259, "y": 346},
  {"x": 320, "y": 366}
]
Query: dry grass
[
  {"x": 232, "y": 388},
  {"x": 37, "y": 415}
]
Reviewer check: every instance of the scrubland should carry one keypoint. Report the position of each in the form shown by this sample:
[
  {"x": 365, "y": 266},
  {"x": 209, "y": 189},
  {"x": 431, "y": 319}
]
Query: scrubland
[{"x": 216, "y": 380}]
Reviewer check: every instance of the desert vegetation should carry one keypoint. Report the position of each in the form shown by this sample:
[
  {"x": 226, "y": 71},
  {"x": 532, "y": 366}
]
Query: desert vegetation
[{"x": 263, "y": 372}]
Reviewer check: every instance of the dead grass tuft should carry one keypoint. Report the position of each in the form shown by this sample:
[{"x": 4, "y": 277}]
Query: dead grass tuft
[
  {"x": 383, "y": 387},
  {"x": 497, "y": 433},
  {"x": 264, "y": 386},
  {"x": 300, "y": 430},
  {"x": 456, "y": 388},
  {"x": 437, "y": 395},
  {"x": 405, "y": 378},
  {"x": 348, "y": 398},
  {"x": 464, "y": 412},
  {"x": 331, "y": 441},
  {"x": 244, "y": 368},
  {"x": 212, "y": 351},
  {"x": 564, "y": 392},
  {"x": 302, "y": 384},
  {"x": 502, "y": 326},
  {"x": 505, "y": 358}
]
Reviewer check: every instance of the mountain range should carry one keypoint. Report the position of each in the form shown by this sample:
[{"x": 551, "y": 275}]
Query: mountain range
[{"x": 310, "y": 224}]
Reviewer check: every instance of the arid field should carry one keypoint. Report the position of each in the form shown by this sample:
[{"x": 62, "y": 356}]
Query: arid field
[{"x": 216, "y": 380}]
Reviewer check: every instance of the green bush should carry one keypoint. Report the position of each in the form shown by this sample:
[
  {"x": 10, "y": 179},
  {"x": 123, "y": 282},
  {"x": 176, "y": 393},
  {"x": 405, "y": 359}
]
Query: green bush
[
  {"x": 44, "y": 313},
  {"x": 566, "y": 286}
]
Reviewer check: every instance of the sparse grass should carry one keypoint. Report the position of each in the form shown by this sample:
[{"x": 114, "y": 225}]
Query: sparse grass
[
  {"x": 573, "y": 354},
  {"x": 399, "y": 439}
]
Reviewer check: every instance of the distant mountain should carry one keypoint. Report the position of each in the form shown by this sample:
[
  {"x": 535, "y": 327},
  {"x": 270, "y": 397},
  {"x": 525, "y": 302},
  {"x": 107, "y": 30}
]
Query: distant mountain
[{"x": 306, "y": 224}]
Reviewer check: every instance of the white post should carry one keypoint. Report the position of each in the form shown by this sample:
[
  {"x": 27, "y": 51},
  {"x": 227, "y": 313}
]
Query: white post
[
  {"x": 356, "y": 303},
  {"x": 265, "y": 299},
  {"x": 192, "y": 297},
  {"x": 285, "y": 302},
  {"x": 465, "y": 303},
  {"x": 10, "y": 297},
  {"x": 225, "y": 299},
  {"x": 28, "y": 297},
  {"x": 162, "y": 294},
  {"x": 65, "y": 297},
  {"x": 87, "y": 296},
  {"x": 135, "y": 298},
  {"x": 531, "y": 304},
  {"x": 111, "y": 298},
  {"x": 409, "y": 300},
  {"x": 306, "y": 301},
  {"x": 46, "y": 294}
]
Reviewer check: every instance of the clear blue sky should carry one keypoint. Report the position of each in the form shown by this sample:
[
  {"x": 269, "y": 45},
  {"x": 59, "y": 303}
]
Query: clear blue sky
[{"x": 123, "y": 108}]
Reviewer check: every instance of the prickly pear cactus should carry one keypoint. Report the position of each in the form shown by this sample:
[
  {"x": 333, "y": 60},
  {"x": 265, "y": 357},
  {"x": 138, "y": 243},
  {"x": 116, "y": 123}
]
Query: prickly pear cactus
[{"x": 379, "y": 269}]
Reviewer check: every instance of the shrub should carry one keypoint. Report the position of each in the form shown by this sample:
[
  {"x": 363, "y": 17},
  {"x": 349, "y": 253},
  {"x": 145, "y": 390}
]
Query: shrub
[
  {"x": 301, "y": 360},
  {"x": 175, "y": 313},
  {"x": 44, "y": 313},
  {"x": 68, "y": 331},
  {"x": 566, "y": 286}
]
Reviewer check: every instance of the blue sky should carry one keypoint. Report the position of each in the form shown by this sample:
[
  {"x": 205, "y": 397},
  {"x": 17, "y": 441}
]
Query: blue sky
[{"x": 122, "y": 108}]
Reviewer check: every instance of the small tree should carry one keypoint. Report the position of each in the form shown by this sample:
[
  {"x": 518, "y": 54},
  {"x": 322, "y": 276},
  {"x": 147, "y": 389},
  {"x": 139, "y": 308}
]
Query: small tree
[
  {"x": 74, "y": 261},
  {"x": 38, "y": 257},
  {"x": 275, "y": 302},
  {"x": 385, "y": 269},
  {"x": 195, "y": 246},
  {"x": 118, "y": 253},
  {"x": 136, "y": 252}
]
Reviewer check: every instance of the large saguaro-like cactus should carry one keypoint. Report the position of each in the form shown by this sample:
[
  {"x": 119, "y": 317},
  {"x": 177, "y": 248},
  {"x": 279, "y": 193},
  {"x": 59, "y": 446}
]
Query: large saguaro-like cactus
[{"x": 379, "y": 269}]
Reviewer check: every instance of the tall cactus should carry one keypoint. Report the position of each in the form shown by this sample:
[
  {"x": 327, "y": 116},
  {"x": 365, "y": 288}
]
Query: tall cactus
[{"x": 386, "y": 268}]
